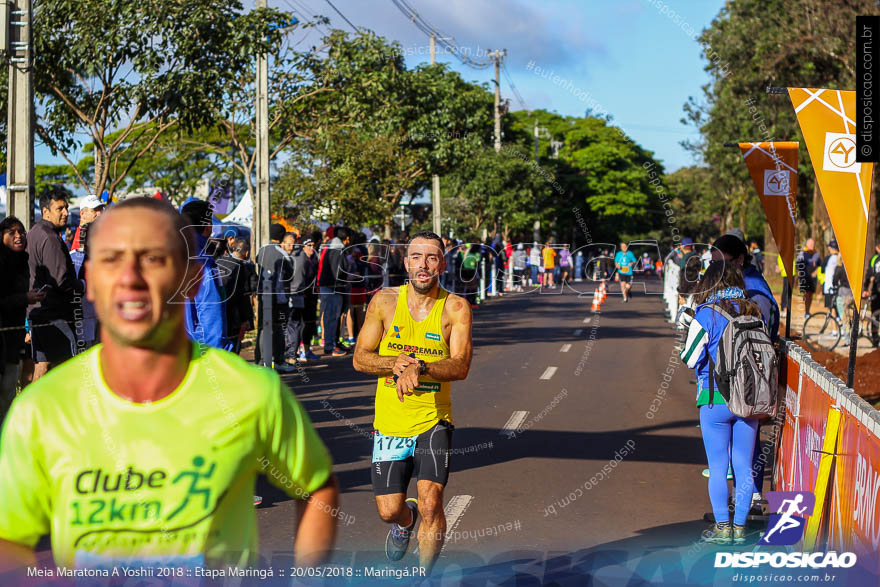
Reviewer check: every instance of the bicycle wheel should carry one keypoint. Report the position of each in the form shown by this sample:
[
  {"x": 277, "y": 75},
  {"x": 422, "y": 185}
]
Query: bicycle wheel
[{"x": 821, "y": 332}]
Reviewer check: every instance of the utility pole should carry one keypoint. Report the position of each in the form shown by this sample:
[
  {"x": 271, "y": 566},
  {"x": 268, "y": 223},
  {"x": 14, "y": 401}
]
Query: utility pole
[
  {"x": 260, "y": 224},
  {"x": 497, "y": 56},
  {"x": 16, "y": 16},
  {"x": 435, "y": 179}
]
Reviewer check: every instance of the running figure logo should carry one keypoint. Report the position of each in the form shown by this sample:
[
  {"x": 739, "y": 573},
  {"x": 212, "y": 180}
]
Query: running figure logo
[
  {"x": 786, "y": 526},
  {"x": 195, "y": 476}
]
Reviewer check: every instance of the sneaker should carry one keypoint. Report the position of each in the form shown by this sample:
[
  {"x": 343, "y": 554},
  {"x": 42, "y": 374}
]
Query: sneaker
[
  {"x": 718, "y": 534},
  {"x": 350, "y": 341},
  {"x": 739, "y": 534},
  {"x": 285, "y": 368},
  {"x": 310, "y": 356},
  {"x": 729, "y": 474},
  {"x": 338, "y": 352},
  {"x": 397, "y": 541},
  {"x": 258, "y": 499},
  {"x": 301, "y": 357}
]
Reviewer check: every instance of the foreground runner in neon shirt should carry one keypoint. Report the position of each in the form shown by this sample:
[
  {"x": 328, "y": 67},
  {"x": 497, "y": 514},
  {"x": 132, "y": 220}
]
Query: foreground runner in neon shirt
[{"x": 145, "y": 449}]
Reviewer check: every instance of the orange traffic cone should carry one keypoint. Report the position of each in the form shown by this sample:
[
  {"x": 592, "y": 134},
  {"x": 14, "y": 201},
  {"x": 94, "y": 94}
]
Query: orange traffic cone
[{"x": 597, "y": 303}]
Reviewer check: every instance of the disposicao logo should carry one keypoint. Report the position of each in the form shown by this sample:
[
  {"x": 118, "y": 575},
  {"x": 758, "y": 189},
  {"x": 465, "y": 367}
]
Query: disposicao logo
[{"x": 785, "y": 528}]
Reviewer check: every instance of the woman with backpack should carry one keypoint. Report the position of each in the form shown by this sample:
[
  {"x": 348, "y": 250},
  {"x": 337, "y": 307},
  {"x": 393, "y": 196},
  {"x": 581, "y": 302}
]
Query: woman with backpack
[{"x": 727, "y": 438}]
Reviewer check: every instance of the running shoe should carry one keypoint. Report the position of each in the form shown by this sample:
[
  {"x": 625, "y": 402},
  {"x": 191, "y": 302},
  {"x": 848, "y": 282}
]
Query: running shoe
[
  {"x": 729, "y": 473},
  {"x": 739, "y": 534},
  {"x": 301, "y": 357},
  {"x": 397, "y": 541},
  {"x": 310, "y": 356},
  {"x": 717, "y": 534},
  {"x": 350, "y": 341},
  {"x": 339, "y": 351},
  {"x": 258, "y": 499},
  {"x": 285, "y": 368}
]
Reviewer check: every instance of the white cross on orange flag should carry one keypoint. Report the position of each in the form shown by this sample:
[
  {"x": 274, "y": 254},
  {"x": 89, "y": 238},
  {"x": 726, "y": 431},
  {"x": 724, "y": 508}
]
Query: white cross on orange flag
[{"x": 827, "y": 121}]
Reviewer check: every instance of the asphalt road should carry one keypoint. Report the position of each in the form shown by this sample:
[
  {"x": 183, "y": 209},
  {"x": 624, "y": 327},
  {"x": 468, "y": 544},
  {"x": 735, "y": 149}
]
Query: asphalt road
[{"x": 593, "y": 482}]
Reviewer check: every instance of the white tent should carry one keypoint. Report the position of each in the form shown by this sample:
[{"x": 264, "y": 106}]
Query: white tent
[{"x": 243, "y": 214}]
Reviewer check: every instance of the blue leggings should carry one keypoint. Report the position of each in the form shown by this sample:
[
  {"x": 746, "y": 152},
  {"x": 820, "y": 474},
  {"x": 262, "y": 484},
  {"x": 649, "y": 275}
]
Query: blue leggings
[{"x": 728, "y": 439}]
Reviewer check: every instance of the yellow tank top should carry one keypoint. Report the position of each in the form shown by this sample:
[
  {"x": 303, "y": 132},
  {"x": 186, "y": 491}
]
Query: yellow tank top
[{"x": 431, "y": 400}]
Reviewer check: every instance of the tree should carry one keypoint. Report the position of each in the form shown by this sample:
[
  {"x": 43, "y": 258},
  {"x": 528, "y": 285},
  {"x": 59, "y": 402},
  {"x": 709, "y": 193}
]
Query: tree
[
  {"x": 140, "y": 68},
  {"x": 750, "y": 45},
  {"x": 497, "y": 191},
  {"x": 384, "y": 131}
]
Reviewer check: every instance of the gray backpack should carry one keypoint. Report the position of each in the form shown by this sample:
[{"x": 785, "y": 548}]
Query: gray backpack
[{"x": 746, "y": 374}]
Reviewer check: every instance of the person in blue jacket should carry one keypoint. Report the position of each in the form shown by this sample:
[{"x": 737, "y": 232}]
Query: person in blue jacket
[
  {"x": 732, "y": 248},
  {"x": 206, "y": 312},
  {"x": 728, "y": 439}
]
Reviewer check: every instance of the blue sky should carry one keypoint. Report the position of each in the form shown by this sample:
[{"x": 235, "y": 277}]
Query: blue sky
[{"x": 635, "y": 62}]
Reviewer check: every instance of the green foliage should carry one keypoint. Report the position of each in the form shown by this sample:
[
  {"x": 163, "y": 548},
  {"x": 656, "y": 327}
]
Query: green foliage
[
  {"x": 753, "y": 44},
  {"x": 380, "y": 132},
  {"x": 139, "y": 67}
]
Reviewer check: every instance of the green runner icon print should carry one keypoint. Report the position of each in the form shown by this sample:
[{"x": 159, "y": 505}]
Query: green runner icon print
[{"x": 195, "y": 476}]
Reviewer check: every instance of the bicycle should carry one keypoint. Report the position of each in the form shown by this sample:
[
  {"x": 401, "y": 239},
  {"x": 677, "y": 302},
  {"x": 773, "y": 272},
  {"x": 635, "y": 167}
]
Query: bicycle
[{"x": 823, "y": 331}]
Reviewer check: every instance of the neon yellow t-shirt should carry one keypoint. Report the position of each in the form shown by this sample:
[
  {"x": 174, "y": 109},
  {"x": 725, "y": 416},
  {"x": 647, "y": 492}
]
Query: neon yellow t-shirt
[
  {"x": 432, "y": 399},
  {"x": 169, "y": 482}
]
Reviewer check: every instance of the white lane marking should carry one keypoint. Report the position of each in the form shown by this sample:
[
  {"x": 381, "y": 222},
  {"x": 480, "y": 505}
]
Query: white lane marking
[
  {"x": 548, "y": 373},
  {"x": 515, "y": 421},
  {"x": 587, "y": 320},
  {"x": 565, "y": 348},
  {"x": 454, "y": 510},
  {"x": 578, "y": 332}
]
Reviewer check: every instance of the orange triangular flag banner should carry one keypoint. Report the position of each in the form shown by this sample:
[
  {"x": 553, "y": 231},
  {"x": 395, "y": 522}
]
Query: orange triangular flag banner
[
  {"x": 827, "y": 121},
  {"x": 773, "y": 167}
]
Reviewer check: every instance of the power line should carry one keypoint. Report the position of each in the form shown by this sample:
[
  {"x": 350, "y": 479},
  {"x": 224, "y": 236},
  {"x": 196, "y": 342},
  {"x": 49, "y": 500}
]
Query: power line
[
  {"x": 513, "y": 87},
  {"x": 430, "y": 30},
  {"x": 354, "y": 28},
  {"x": 303, "y": 12}
]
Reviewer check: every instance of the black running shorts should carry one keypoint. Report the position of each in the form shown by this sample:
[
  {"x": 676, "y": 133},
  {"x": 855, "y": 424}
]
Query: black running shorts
[
  {"x": 430, "y": 462},
  {"x": 626, "y": 278}
]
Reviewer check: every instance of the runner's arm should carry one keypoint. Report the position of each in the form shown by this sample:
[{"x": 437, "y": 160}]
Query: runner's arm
[
  {"x": 456, "y": 367},
  {"x": 316, "y": 529},
  {"x": 366, "y": 358},
  {"x": 15, "y": 556}
]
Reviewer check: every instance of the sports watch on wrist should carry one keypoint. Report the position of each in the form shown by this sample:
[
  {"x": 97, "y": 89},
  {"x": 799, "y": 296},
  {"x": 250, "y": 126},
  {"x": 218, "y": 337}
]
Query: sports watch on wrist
[{"x": 423, "y": 367}]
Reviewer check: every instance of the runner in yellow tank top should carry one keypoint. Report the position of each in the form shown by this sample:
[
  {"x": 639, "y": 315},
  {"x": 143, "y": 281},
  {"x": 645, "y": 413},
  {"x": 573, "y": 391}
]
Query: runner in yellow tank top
[{"x": 416, "y": 339}]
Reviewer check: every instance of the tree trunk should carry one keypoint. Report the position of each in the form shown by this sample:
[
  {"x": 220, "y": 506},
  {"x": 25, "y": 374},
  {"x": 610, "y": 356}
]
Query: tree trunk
[{"x": 387, "y": 234}]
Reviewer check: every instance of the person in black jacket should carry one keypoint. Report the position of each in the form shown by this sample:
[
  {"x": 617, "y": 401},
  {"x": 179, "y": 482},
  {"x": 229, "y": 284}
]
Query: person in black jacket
[
  {"x": 310, "y": 313},
  {"x": 234, "y": 275},
  {"x": 52, "y": 271},
  {"x": 332, "y": 285},
  {"x": 14, "y": 300},
  {"x": 301, "y": 281},
  {"x": 274, "y": 291}
]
